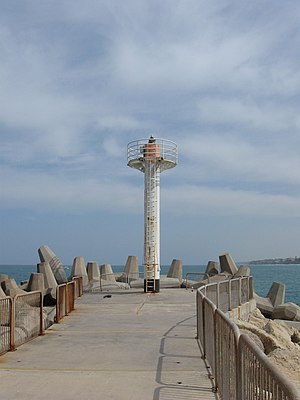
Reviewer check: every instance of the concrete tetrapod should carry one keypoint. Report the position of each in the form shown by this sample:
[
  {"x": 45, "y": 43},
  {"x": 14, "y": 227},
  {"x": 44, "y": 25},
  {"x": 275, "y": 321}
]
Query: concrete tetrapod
[
  {"x": 49, "y": 283},
  {"x": 47, "y": 255},
  {"x": 131, "y": 270},
  {"x": 287, "y": 311},
  {"x": 275, "y": 297},
  {"x": 227, "y": 264},
  {"x": 93, "y": 271},
  {"x": 36, "y": 282},
  {"x": 11, "y": 288},
  {"x": 79, "y": 269},
  {"x": 212, "y": 268},
  {"x": 175, "y": 270}
]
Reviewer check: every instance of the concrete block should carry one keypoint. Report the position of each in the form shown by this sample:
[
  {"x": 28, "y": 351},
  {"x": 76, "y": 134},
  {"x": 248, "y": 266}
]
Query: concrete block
[
  {"x": 93, "y": 271},
  {"x": 227, "y": 264},
  {"x": 277, "y": 293},
  {"x": 131, "y": 270},
  {"x": 243, "y": 270},
  {"x": 3, "y": 277},
  {"x": 47, "y": 255},
  {"x": 107, "y": 273},
  {"x": 175, "y": 270},
  {"x": 49, "y": 283},
  {"x": 2, "y": 293},
  {"x": 212, "y": 279},
  {"x": 264, "y": 305},
  {"x": 79, "y": 269},
  {"x": 132, "y": 267},
  {"x": 36, "y": 282},
  {"x": 287, "y": 311},
  {"x": 212, "y": 268},
  {"x": 49, "y": 278},
  {"x": 11, "y": 288}
]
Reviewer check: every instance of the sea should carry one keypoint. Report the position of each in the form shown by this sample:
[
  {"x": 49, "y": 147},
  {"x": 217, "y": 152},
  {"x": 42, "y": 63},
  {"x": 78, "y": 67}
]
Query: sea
[{"x": 263, "y": 276}]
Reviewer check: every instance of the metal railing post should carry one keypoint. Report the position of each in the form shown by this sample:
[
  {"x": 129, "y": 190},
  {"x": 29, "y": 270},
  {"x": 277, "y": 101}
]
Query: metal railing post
[
  {"x": 12, "y": 325},
  {"x": 229, "y": 295},
  {"x": 41, "y": 315}
]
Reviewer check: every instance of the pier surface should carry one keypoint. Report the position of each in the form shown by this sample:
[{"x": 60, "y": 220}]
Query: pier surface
[{"x": 129, "y": 346}]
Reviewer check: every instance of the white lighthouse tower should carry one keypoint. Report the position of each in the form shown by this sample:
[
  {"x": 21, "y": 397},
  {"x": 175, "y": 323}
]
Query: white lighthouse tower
[{"x": 152, "y": 156}]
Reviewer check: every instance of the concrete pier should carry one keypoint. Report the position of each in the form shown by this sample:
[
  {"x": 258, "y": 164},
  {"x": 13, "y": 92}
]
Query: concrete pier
[{"x": 130, "y": 345}]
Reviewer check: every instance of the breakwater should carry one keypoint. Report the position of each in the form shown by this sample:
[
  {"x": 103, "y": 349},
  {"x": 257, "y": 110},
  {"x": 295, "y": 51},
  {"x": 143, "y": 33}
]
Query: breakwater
[{"x": 263, "y": 276}]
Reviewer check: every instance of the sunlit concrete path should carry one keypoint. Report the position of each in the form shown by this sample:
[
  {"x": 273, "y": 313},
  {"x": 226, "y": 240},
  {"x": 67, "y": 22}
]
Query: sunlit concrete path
[{"x": 128, "y": 346}]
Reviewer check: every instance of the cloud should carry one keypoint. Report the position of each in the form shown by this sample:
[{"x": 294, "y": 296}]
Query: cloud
[
  {"x": 230, "y": 159},
  {"x": 207, "y": 201},
  {"x": 39, "y": 191},
  {"x": 79, "y": 82}
]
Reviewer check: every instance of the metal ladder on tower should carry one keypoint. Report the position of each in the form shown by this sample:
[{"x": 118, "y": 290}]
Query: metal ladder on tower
[{"x": 151, "y": 266}]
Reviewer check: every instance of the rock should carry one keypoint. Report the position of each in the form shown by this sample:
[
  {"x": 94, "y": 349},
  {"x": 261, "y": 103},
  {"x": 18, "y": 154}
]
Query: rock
[
  {"x": 288, "y": 362},
  {"x": 254, "y": 338}
]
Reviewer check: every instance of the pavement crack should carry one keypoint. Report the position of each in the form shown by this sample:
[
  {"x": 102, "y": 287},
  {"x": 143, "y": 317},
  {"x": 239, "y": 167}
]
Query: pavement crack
[{"x": 139, "y": 308}]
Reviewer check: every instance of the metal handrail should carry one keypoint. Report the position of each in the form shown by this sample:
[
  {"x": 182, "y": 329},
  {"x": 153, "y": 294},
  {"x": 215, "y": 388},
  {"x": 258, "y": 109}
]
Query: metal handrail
[
  {"x": 194, "y": 273},
  {"x": 167, "y": 149},
  {"x": 265, "y": 378},
  {"x": 79, "y": 285},
  {"x": 226, "y": 350},
  {"x": 34, "y": 300},
  {"x": 70, "y": 292},
  {"x": 61, "y": 302},
  {"x": 6, "y": 324}
]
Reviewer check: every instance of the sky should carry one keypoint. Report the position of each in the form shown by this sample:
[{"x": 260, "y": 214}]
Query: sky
[{"x": 81, "y": 79}]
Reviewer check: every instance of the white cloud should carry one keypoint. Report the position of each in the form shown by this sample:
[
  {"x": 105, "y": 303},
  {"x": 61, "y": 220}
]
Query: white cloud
[
  {"x": 205, "y": 201},
  {"x": 40, "y": 191},
  {"x": 80, "y": 81},
  {"x": 233, "y": 159}
]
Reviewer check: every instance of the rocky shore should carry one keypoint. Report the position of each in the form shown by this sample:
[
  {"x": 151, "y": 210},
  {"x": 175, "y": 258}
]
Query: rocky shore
[{"x": 280, "y": 342}]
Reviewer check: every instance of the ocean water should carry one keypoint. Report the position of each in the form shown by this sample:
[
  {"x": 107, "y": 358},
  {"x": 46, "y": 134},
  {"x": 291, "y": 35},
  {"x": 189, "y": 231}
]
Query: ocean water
[{"x": 263, "y": 275}]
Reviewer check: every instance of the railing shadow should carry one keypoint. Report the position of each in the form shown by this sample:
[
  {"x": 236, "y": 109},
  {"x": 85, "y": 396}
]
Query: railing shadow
[{"x": 181, "y": 371}]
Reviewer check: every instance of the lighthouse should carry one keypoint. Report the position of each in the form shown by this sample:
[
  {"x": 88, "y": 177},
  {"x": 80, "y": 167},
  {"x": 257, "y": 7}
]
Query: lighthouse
[{"x": 152, "y": 156}]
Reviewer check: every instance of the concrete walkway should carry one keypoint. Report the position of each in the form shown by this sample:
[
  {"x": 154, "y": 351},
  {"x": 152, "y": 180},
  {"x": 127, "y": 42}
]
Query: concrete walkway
[{"x": 129, "y": 346}]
